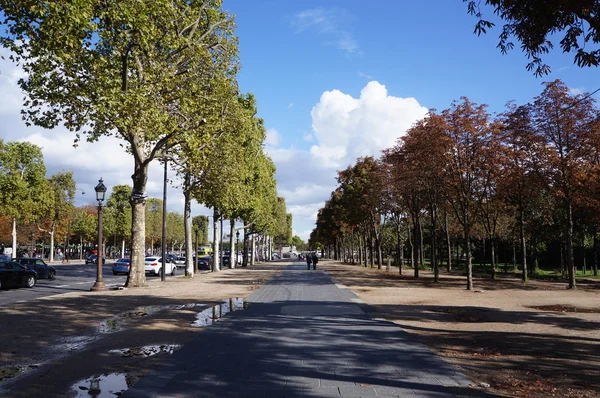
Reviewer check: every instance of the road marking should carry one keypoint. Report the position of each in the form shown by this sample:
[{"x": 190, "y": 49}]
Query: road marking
[{"x": 83, "y": 283}]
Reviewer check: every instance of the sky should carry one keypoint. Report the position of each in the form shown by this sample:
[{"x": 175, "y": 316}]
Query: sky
[{"x": 334, "y": 80}]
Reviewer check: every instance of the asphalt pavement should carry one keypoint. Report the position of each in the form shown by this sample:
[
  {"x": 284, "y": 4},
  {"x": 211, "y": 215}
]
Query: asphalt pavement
[
  {"x": 303, "y": 335},
  {"x": 72, "y": 277}
]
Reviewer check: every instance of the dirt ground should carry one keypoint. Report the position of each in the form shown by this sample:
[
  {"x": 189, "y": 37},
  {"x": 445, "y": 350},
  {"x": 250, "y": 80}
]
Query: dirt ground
[
  {"x": 536, "y": 339},
  {"x": 531, "y": 340}
]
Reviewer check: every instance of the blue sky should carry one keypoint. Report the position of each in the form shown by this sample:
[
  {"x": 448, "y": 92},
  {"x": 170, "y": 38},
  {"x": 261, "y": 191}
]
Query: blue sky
[
  {"x": 334, "y": 80},
  {"x": 294, "y": 52}
]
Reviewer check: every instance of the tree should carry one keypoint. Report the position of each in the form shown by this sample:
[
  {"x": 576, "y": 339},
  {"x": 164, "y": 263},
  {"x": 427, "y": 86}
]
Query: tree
[
  {"x": 84, "y": 225},
  {"x": 22, "y": 183},
  {"x": 565, "y": 122},
  {"x": 154, "y": 221},
  {"x": 130, "y": 68},
  {"x": 118, "y": 201},
  {"x": 532, "y": 22},
  {"x": 62, "y": 188},
  {"x": 467, "y": 172}
]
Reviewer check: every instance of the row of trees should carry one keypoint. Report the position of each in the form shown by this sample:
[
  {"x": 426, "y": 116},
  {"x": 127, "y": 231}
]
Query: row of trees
[
  {"x": 160, "y": 76},
  {"x": 530, "y": 175},
  {"x": 44, "y": 208}
]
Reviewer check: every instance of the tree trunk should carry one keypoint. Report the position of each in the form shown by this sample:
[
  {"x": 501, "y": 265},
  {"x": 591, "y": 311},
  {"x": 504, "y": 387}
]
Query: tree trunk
[
  {"x": 52, "y": 244},
  {"x": 14, "y": 238},
  {"x": 187, "y": 226},
  {"x": 137, "y": 274},
  {"x": 467, "y": 231},
  {"x": 421, "y": 244},
  {"x": 399, "y": 247},
  {"x": 232, "y": 248},
  {"x": 379, "y": 253},
  {"x": 448, "y": 243},
  {"x": 595, "y": 250},
  {"x": 570, "y": 257},
  {"x": 523, "y": 245},
  {"x": 493, "y": 250},
  {"x": 434, "y": 263},
  {"x": 469, "y": 264},
  {"x": 253, "y": 248},
  {"x": 416, "y": 245},
  {"x": 411, "y": 247},
  {"x": 366, "y": 251},
  {"x": 216, "y": 266}
]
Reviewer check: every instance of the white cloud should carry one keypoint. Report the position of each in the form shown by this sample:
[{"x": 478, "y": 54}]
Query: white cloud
[
  {"x": 347, "y": 127},
  {"x": 364, "y": 75},
  {"x": 290, "y": 105},
  {"x": 330, "y": 23},
  {"x": 344, "y": 128},
  {"x": 273, "y": 137}
]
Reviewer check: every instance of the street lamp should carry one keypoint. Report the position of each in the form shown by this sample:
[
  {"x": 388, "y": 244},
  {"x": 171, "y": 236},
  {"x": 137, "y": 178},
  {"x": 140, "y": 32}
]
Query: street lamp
[
  {"x": 100, "y": 192},
  {"x": 237, "y": 245}
]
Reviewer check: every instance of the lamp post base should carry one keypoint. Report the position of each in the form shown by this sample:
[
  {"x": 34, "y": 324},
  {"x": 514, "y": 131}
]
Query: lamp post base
[{"x": 98, "y": 286}]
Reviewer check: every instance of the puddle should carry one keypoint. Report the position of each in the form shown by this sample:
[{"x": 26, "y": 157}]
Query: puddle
[
  {"x": 146, "y": 351},
  {"x": 119, "y": 322},
  {"x": 215, "y": 313},
  {"x": 102, "y": 386}
]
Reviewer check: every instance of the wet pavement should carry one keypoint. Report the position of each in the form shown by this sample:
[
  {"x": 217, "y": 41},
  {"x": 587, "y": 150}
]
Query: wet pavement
[{"x": 302, "y": 335}]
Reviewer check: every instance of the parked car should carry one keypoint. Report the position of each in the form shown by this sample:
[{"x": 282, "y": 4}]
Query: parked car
[
  {"x": 43, "y": 270},
  {"x": 121, "y": 266},
  {"x": 179, "y": 261},
  {"x": 204, "y": 263},
  {"x": 4, "y": 257},
  {"x": 153, "y": 265},
  {"x": 93, "y": 259},
  {"x": 13, "y": 274}
]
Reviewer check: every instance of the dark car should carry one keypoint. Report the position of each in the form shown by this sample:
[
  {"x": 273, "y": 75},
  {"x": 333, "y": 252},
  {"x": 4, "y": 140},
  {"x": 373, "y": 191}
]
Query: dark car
[
  {"x": 93, "y": 259},
  {"x": 13, "y": 274},
  {"x": 121, "y": 266},
  {"x": 43, "y": 270},
  {"x": 204, "y": 262}
]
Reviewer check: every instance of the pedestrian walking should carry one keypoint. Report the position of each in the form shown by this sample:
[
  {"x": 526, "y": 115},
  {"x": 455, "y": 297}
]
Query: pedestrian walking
[
  {"x": 315, "y": 260},
  {"x": 308, "y": 261}
]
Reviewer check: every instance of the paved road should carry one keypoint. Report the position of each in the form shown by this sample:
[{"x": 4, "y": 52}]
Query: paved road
[
  {"x": 303, "y": 336},
  {"x": 69, "y": 278}
]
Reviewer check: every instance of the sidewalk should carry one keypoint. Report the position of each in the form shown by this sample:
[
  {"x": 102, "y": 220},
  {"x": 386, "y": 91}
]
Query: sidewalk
[{"x": 303, "y": 336}]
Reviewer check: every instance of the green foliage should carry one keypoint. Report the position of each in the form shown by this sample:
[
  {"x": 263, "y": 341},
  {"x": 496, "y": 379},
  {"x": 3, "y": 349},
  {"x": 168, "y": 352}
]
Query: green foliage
[
  {"x": 119, "y": 208},
  {"x": 24, "y": 191},
  {"x": 200, "y": 223}
]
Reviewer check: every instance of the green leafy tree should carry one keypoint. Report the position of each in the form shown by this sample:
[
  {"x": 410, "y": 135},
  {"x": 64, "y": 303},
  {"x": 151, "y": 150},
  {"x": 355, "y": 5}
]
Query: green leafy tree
[
  {"x": 130, "y": 68},
  {"x": 22, "y": 184},
  {"x": 118, "y": 202},
  {"x": 62, "y": 190},
  {"x": 84, "y": 225}
]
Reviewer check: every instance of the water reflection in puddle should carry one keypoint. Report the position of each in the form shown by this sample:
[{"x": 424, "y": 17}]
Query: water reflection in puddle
[
  {"x": 102, "y": 386},
  {"x": 215, "y": 313},
  {"x": 147, "y": 351}
]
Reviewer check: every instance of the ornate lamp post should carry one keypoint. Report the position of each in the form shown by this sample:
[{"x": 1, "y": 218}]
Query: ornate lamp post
[{"x": 100, "y": 192}]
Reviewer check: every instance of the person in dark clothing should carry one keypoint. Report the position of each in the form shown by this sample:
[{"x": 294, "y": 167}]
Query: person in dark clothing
[
  {"x": 308, "y": 261},
  {"x": 315, "y": 260}
]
